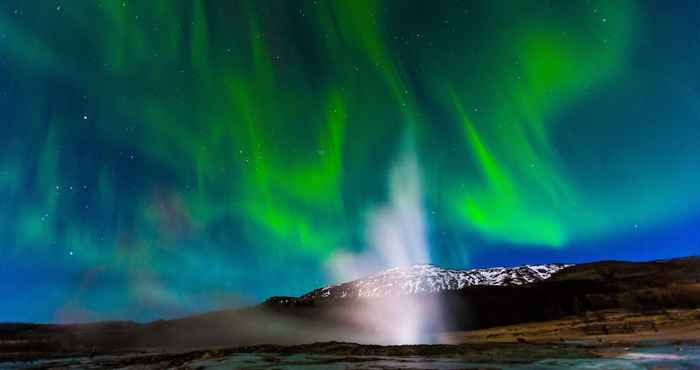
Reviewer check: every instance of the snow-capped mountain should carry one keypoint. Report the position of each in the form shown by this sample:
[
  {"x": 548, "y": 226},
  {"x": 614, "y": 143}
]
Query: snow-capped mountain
[{"x": 428, "y": 278}]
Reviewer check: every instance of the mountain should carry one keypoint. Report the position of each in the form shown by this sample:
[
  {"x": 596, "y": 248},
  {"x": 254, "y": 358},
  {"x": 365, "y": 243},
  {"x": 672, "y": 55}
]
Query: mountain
[
  {"x": 467, "y": 300},
  {"x": 483, "y": 298},
  {"x": 427, "y": 278}
]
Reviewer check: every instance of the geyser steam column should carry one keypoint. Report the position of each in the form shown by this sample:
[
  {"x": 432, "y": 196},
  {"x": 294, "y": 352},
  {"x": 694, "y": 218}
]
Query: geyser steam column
[
  {"x": 396, "y": 235},
  {"x": 397, "y": 231}
]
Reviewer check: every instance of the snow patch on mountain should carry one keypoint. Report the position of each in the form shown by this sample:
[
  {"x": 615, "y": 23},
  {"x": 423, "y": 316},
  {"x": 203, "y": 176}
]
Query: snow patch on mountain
[{"x": 427, "y": 278}]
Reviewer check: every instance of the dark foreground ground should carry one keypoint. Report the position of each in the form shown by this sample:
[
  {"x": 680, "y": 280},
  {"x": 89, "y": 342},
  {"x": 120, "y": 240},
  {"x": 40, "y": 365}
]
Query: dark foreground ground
[
  {"x": 613, "y": 339},
  {"x": 330, "y": 353},
  {"x": 334, "y": 355}
]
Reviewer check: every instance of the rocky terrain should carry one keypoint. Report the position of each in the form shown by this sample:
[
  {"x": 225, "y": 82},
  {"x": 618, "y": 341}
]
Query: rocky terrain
[{"x": 671, "y": 342}]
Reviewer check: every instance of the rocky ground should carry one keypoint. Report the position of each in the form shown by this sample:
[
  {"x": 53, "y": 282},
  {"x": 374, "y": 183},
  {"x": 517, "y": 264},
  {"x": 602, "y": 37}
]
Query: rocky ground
[
  {"x": 602, "y": 335},
  {"x": 615, "y": 326}
]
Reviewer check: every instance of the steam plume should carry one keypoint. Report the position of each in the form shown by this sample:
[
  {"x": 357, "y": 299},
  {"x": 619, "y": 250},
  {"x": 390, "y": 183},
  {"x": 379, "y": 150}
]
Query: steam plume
[{"x": 396, "y": 235}]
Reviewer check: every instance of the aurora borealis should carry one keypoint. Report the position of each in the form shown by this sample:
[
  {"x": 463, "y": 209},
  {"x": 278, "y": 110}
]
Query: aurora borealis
[{"x": 159, "y": 158}]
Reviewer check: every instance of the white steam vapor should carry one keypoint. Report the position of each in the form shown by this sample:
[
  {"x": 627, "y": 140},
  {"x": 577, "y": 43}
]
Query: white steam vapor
[{"x": 396, "y": 233}]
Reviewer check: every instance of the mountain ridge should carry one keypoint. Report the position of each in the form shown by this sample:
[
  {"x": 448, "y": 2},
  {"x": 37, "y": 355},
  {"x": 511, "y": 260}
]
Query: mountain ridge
[
  {"x": 579, "y": 293},
  {"x": 429, "y": 278}
]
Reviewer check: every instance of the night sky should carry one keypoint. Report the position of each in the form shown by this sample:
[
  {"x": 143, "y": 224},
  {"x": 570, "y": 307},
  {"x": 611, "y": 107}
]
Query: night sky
[{"x": 165, "y": 157}]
